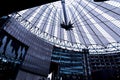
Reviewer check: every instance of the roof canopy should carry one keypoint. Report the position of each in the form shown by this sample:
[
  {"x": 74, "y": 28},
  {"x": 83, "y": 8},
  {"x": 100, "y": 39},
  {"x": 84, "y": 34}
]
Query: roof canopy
[{"x": 96, "y": 25}]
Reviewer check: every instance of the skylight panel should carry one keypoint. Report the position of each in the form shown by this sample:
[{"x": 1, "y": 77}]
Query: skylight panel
[
  {"x": 113, "y": 3},
  {"x": 104, "y": 33}
]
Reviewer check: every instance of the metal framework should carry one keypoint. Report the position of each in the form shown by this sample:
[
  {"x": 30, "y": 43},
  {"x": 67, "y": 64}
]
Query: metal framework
[{"x": 93, "y": 48}]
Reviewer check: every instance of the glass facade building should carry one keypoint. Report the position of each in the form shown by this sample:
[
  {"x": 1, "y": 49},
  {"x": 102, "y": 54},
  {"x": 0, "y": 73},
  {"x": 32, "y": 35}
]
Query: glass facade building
[
  {"x": 72, "y": 65},
  {"x": 70, "y": 62}
]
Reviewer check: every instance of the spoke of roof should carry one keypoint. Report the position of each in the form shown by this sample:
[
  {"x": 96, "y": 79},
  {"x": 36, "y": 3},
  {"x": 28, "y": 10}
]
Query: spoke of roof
[
  {"x": 79, "y": 29},
  {"x": 46, "y": 20},
  {"x": 75, "y": 11},
  {"x": 79, "y": 3},
  {"x": 61, "y": 34},
  {"x": 73, "y": 32},
  {"x": 32, "y": 11},
  {"x": 88, "y": 11},
  {"x": 106, "y": 26},
  {"x": 38, "y": 18},
  {"x": 106, "y": 8},
  {"x": 58, "y": 18},
  {"x": 105, "y": 15},
  {"x": 98, "y": 26},
  {"x": 93, "y": 30},
  {"x": 94, "y": 33},
  {"x": 81, "y": 33},
  {"x": 88, "y": 24},
  {"x": 110, "y": 11},
  {"x": 53, "y": 23}
]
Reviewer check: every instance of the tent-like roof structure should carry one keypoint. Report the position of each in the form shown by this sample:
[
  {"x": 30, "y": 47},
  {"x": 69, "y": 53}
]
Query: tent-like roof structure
[{"x": 96, "y": 25}]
